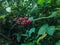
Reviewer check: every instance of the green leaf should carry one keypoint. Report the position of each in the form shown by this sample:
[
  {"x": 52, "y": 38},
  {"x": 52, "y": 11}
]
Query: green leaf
[
  {"x": 6, "y": 43},
  {"x": 40, "y": 2},
  {"x": 18, "y": 36},
  {"x": 31, "y": 31},
  {"x": 58, "y": 43},
  {"x": 1, "y": 39},
  {"x": 48, "y": 1},
  {"x": 42, "y": 29},
  {"x": 53, "y": 14},
  {"x": 51, "y": 30},
  {"x": 31, "y": 18}
]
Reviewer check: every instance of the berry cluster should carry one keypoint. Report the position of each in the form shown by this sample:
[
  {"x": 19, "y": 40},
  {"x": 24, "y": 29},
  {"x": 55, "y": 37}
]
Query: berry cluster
[{"x": 23, "y": 21}]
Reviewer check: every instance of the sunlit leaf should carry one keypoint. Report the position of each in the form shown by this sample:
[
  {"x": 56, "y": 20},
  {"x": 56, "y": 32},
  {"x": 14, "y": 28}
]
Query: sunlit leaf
[
  {"x": 3, "y": 16},
  {"x": 43, "y": 29},
  {"x": 51, "y": 30},
  {"x": 48, "y": 1},
  {"x": 40, "y": 2}
]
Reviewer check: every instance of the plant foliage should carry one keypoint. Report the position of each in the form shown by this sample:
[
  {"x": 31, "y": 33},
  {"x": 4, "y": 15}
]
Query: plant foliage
[{"x": 29, "y": 22}]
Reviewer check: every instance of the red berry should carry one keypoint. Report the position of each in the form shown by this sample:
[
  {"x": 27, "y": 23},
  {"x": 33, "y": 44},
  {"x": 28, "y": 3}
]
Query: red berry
[
  {"x": 20, "y": 19},
  {"x": 26, "y": 18},
  {"x": 23, "y": 23},
  {"x": 29, "y": 21},
  {"x": 23, "y": 19}
]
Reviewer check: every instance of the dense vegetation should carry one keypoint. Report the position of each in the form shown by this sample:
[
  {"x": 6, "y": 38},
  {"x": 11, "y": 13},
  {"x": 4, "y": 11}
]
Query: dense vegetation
[{"x": 29, "y": 22}]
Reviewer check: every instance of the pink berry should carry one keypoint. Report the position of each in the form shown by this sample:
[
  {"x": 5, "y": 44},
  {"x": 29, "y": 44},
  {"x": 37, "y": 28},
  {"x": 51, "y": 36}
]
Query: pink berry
[
  {"x": 23, "y": 23},
  {"x": 29, "y": 21},
  {"x": 20, "y": 19},
  {"x": 26, "y": 18}
]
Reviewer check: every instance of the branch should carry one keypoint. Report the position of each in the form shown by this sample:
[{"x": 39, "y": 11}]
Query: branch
[
  {"x": 54, "y": 14},
  {"x": 43, "y": 18}
]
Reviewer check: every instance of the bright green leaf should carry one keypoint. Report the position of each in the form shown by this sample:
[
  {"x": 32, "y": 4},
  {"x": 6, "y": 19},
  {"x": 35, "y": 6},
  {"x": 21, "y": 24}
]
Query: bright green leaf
[
  {"x": 51, "y": 30},
  {"x": 40, "y": 2},
  {"x": 31, "y": 31},
  {"x": 49, "y": 1},
  {"x": 31, "y": 18},
  {"x": 2, "y": 17},
  {"x": 43, "y": 29}
]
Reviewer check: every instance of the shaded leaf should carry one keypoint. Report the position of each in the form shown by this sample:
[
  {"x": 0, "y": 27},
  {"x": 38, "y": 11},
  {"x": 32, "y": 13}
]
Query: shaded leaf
[
  {"x": 28, "y": 43},
  {"x": 18, "y": 36},
  {"x": 31, "y": 18},
  {"x": 58, "y": 43},
  {"x": 31, "y": 31},
  {"x": 6, "y": 43}
]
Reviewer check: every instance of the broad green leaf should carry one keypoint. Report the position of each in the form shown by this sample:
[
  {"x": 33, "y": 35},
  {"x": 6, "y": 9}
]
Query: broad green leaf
[
  {"x": 58, "y": 43},
  {"x": 51, "y": 30},
  {"x": 42, "y": 29},
  {"x": 40, "y": 2},
  {"x": 31, "y": 31}
]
